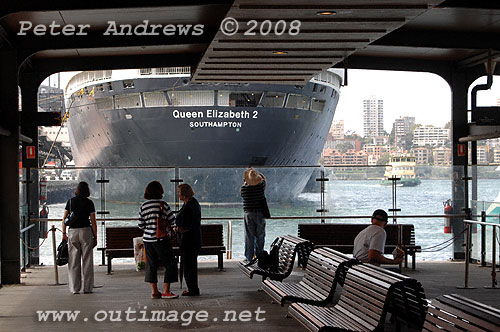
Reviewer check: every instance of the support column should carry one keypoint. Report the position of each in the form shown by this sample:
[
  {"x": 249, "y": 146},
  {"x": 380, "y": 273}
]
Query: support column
[
  {"x": 29, "y": 83},
  {"x": 459, "y": 84},
  {"x": 9, "y": 171}
]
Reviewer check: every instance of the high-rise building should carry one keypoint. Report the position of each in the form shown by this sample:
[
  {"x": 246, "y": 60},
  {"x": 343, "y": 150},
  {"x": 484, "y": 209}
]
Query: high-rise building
[
  {"x": 430, "y": 135},
  {"x": 337, "y": 129},
  {"x": 373, "y": 117},
  {"x": 401, "y": 128}
]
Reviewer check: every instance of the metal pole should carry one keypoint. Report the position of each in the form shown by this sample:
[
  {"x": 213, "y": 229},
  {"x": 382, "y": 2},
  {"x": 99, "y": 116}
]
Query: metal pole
[
  {"x": 229, "y": 245},
  {"x": 322, "y": 208},
  {"x": 483, "y": 239},
  {"x": 54, "y": 254},
  {"x": 467, "y": 258},
  {"x": 493, "y": 260}
]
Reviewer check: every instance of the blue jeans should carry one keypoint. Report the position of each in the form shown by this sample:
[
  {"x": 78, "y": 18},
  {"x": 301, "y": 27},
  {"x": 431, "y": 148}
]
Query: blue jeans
[{"x": 255, "y": 234}]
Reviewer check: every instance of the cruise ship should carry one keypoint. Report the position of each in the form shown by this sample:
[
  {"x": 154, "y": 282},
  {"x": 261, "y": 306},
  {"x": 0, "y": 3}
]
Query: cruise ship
[{"x": 157, "y": 117}]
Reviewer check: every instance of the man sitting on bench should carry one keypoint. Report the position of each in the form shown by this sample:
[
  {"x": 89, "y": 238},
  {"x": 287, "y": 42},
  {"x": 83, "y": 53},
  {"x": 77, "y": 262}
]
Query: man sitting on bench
[{"x": 369, "y": 243}]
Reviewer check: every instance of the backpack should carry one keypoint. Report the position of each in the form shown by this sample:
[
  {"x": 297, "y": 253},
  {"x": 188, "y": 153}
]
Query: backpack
[{"x": 270, "y": 261}]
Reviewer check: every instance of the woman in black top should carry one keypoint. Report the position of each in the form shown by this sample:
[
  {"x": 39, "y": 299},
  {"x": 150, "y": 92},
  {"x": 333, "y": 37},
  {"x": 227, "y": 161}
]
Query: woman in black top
[
  {"x": 188, "y": 222},
  {"x": 81, "y": 239}
]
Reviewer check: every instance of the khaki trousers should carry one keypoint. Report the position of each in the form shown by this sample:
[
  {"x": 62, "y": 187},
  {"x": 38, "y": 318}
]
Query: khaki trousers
[{"x": 81, "y": 255}]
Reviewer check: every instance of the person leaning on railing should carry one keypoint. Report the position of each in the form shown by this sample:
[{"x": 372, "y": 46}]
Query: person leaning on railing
[{"x": 369, "y": 244}]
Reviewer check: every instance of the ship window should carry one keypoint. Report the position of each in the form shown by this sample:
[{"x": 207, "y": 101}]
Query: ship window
[
  {"x": 146, "y": 71},
  {"x": 128, "y": 101},
  {"x": 239, "y": 99},
  {"x": 273, "y": 99},
  {"x": 128, "y": 84},
  {"x": 191, "y": 98},
  {"x": 110, "y": 86},
  {"x": 100, "y": 88},
  {"x": 317, "y": 105},
  {"x": 157, "y": 98},
  {"x": 298, "y": 101},
  {"x": 104, "y": 104}
]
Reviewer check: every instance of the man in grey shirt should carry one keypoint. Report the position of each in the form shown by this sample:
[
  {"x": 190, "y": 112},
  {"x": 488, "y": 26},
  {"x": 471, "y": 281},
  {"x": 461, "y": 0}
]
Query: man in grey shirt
[{"x": 369, "y": 243}]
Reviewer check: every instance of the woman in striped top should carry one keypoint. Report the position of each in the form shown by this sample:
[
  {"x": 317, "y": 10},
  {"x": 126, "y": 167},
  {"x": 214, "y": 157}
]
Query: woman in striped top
[{"x": 158, "y": 251}]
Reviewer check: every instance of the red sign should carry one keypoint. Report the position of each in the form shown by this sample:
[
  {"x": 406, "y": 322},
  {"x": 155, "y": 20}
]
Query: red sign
[
  {"x": 461, "y": 150},
  {"x": 30, "y": 152}
]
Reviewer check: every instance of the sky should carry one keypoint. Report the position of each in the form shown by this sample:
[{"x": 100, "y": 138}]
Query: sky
[{"x": 425, "y": 96}]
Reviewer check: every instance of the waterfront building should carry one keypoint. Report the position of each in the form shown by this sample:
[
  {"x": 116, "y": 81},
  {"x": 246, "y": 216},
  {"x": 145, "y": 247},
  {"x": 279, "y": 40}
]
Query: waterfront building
[
  {"x": 332, "y": 157},
  {"x": 375, "y": 152},
  {"x": 442, "y": 156},
  {"x": 337, "y": 129},
  {"x": 430, "y": 135},
  {"x": 401, "y": 128},
  {"x": 422, "y": 155},
  {"x": 483, "y": 155},
  {"x": 496, "y": 155},
  {"x": 381, "y": 140},
  {"x": 373, "y": 117}
]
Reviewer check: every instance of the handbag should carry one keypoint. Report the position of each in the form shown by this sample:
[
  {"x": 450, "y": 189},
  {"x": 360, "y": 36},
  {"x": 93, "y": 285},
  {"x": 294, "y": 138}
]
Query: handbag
[
  {"x": 163, "y": 227},
  {"x": 70, "y": 219},
  {"x": 62, "y": 256}
]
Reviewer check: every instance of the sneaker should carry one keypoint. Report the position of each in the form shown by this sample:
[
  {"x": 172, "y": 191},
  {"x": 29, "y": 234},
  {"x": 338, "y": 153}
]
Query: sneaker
[
  {"x": 169, "y": 295},
  {"x": 156, "y": 295}
]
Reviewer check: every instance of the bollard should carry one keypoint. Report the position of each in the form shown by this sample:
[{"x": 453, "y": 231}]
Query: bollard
[
  {"x": 54, "y": 253},
  {"x": 493, "y": 261},
  {"x": 229, "y": 245},
  {"x": 467, "y": 258}
]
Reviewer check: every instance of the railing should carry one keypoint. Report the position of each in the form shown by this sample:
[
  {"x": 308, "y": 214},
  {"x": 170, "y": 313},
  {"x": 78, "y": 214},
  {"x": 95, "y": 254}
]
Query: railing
[
  {"x": 348, "y": 193},
  {"x": 468, "y": 247}
]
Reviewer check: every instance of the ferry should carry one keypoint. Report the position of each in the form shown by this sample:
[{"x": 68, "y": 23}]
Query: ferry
[
  {"x": 402, "y": 167},
  {"x": 157, "y": 117}
]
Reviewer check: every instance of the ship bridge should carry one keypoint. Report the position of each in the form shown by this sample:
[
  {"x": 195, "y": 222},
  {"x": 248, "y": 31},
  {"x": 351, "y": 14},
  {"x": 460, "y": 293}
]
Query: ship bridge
[{"x": 233, "y": 41}]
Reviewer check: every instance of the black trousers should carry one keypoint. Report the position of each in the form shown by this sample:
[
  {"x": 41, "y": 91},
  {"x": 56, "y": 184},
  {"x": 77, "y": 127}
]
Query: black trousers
[
  {"x": 160, "y": 253},
  {"x": 190, "y": 269}
]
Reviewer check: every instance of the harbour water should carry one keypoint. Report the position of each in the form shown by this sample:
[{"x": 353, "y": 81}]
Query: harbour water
[{"x": 342, "y": 198}]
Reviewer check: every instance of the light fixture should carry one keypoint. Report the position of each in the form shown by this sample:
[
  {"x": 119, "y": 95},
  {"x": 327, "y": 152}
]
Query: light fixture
[
  {"x": 280, "y": 52},
  {"x": 326, "y": 13}
]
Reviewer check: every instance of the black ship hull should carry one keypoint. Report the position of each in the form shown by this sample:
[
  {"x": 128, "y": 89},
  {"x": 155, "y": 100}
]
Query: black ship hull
[{"x": 196, "y": 137}]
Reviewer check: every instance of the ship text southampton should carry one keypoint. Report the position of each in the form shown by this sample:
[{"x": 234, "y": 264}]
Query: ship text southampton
[{"x": 214, "y": 124}]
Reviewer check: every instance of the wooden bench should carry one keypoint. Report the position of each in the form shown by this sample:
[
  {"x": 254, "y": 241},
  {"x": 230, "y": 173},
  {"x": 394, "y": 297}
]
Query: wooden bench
[
  {"x": 325, "y": 269},
  {"x": 341, "y": 237},
  {"x": 406, "y": 301},
  {"x": 455, "y": 313},
  {"x": 366, "y": 298},
  {"x": 119, "y": 242},
  {"x": 289, "y": 248}
]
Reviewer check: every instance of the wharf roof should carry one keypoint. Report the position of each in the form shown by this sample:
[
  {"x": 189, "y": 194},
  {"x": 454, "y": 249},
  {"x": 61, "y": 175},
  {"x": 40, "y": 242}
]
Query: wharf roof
[{"x": 375, "y": 34}]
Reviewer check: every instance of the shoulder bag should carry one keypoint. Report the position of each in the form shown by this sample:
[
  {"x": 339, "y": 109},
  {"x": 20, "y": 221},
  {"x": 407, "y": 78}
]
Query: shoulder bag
[
  {"x": 71, "y": 218},
  {"x": 163, "y": 227}
]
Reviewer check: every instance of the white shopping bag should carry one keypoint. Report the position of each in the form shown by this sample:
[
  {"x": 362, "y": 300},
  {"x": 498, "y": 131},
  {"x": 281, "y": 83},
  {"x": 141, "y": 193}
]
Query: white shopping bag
[{"x": 139, "y": 254}]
